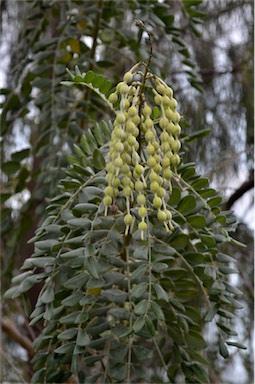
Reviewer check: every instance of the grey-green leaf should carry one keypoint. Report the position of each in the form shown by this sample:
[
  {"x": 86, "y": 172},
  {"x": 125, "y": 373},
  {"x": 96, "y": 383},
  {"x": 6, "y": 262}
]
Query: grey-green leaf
[{"x": 186, "y": 205}]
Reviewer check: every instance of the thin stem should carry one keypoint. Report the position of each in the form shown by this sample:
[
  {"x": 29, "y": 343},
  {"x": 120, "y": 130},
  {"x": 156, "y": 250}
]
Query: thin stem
[
  {"x": 179, "y": 180},
  {"x": 150, "y": 268},
  {"x": 160, "y": 354},
  {"x": 141, "y": 25},
  {"x": 189, "y": 267},
  {"x": 130, "y": 338}
]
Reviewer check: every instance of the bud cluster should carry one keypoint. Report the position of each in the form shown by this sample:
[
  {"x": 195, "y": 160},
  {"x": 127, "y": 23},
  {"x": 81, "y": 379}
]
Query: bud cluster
[{"x": 143, "y": 151}]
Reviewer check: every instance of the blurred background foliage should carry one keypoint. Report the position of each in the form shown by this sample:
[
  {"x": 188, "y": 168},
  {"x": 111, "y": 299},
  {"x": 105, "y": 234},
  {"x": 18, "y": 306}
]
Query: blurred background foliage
[{"x": 204, "y": 50}]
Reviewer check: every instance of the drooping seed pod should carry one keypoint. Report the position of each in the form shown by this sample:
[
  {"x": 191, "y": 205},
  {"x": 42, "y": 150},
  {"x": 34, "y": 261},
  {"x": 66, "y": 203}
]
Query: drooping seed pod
[{"x": 143, "y": 151}]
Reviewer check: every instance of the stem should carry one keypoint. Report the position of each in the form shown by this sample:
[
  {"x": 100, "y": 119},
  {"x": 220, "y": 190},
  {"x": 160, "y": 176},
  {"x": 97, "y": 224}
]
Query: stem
[
  {"x": 179, "y": 180},
  {"x": 130, "y": 339},
  {"x": 160, "y": 354},
  {"x": 141, "y": 25}
]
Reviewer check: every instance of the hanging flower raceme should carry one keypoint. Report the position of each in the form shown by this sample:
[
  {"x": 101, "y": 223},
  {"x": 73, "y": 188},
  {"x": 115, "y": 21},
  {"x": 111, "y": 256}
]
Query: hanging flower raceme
[{"x": 143, "y": 151}]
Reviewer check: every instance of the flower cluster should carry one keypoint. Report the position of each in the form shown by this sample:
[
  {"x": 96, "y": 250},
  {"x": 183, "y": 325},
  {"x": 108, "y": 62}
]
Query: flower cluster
[{"x": 143, "y": 150}]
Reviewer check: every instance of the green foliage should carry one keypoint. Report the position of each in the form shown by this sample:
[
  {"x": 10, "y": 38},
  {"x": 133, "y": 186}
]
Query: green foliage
[
  {"x": 51, "y": 39},
  {"x": 98, "y": 312},
  {"x": 110, "y": 301}
]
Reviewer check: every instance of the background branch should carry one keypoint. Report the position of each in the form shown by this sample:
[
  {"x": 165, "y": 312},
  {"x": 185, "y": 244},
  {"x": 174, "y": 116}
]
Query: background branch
[
  {"x": 13, "y": 332},
  {"x": 245, "y": 187}
]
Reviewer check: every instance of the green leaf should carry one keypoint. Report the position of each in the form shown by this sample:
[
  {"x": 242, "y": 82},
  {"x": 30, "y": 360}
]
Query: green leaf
[
  {"x": 19, "y": 278},
  {"x": 82, "y": 222},
  {"x": 105, "y": 63},
  {"x": 208, "y": 192},
  {"x": 226, "y": 329},
  {"x": 73, "y": 254},
  {"x": 163, "y": 249},
  {"x": 223, "y": 348},
  {"x": 232, "y": 289},
  {"x": 78, "y": 79},
  {"x": 105, "y": 86},
  {"x": 141, "y": 252},
  {"x": 174, "y": 197},
  {"x": 188, "y": 173},
  {"x": 98, "y": 135},
  {"x": 184, "y": 52},
  {"x": 39, "y": 262},
  {"x": 226, "y": 314},
  {"x": 139, "y": 290},
  {"x": 118, "y": 352},
  {"x": 98, "y": 81},
  {"x": 98, "y": 159},
  {"x": 139, "y": 272},
  {"x": 221, "y": 219},
  {"x": 150, "y": 326},
  {"x": 45, "y": 245},
  {"x": 189, "y": 63},
  {"x": 222, "y": 258},
  {"x": 118, "y": 372},
  {"x": 66, "y": 349},
  {"x": 81, "y": 318},
  {"x": 160, "y": 292},
  {"x": 20, "y": 155},
  {"x": 180, "y": 241},
  {"x": 77, "y": 281},
  {"x": 141, "y": 307},
  {"x": 91, "y": 265},
  {"x": 159, "y": 267},
  {"x": 157, "y": 311},
  {"x": 28, "y": 283},
  {"x": 194, "y": 257},
  {"x": 68, "y": 334},
  {"x": 141, "y": 353},
  {"x": 4, "y": 197},
  {"x": 70, "y": 318},
  {"x": 234, "y": 344},
  {"x": 83, "y": 338},
  {"x": 73, "y": 300},
  {"x": 38, "y": 377},
  {"x": 201, "y": 133},
  {"x": 200, "y": 183},
  {"x": 11, "y": 293},
  {"x": 91, "y": 140},
  {"x": 237, "y": 243},
  {"x": 89, "y": 77},
  {"x": 85, "y": 145},
  {"x": 71, "y": 183},
  {"x": 48, "y": 295},
  {"x": 195, "y": 340},
  {"x": 176, "y": 304},
  {"x": 115, "y": 295},
  {"x": 187, "y": 205},
  {"x": 227, "y": 270},
  {"x": 85, "y": 207},
  {"x": 95, "y": 283},
  {"x": 67, "y": 83},
  {"x": 10, "y": 167},
  {"x": 201, "y": 373},
  {"x": 211, "y": 312},
  {"x": 138, "y": 324},
  {"x": 197, "y": 221},
  {"x": 216, "y": 201},
  {"x": 208, "y": 240},
  {"x": 179, "y": 41}
]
